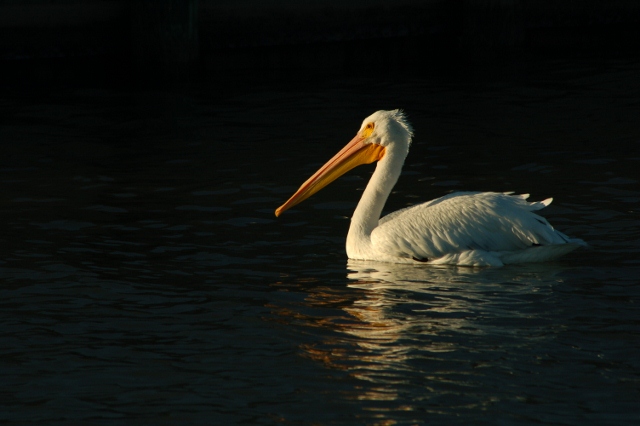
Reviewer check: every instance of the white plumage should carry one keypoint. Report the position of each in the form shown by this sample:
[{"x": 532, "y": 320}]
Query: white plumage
[{"x": 463, "y": 228}]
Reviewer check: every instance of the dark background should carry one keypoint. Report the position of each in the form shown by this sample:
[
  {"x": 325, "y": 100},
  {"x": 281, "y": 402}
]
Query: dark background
[
  {"x": 191, "y": 43},
  {"x": 144, "y": 146}
]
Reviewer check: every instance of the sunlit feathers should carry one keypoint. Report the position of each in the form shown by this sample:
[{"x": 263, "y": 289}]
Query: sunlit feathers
[{"x": 463, "y": 228}]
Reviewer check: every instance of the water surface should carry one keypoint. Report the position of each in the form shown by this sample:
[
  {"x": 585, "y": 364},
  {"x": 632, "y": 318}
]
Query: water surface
[{"x": 145, "y": 277}]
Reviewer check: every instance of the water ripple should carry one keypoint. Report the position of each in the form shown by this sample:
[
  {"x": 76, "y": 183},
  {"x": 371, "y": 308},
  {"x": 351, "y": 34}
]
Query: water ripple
[{"x": 145, "y": 277}]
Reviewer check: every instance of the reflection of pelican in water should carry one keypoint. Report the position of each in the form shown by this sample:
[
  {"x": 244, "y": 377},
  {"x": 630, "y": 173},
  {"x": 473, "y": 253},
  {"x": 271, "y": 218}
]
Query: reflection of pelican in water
[
  {"x": 457, "y": 293},
  {"x": 405, "y": 275},
  {"x": 433, "y": 296},
  {"x": 402, "y": 323}
]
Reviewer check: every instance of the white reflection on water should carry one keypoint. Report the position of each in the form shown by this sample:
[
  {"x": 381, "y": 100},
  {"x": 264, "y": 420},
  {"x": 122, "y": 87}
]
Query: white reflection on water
[{"x": 417, "y": 334}]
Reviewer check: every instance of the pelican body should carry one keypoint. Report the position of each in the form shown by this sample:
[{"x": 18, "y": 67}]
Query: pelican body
[{"x": 462, "y": 228}]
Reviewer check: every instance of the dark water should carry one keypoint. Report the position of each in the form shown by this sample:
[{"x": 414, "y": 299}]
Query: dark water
[{"x": 146, "y": 280}]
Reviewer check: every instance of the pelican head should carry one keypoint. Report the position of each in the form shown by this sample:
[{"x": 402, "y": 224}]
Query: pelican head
[
  {"x": 387, "y": 127},
  {"x": 382, "y": 133}
]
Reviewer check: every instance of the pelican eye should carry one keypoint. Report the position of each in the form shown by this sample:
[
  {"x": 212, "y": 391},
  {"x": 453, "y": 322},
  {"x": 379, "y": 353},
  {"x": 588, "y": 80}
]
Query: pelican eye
[{"x": 368, "y": 129}]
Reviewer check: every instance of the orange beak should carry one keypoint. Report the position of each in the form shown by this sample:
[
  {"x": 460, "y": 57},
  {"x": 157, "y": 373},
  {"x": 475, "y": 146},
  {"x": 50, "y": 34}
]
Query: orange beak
[{"x": 353, "y": 154}]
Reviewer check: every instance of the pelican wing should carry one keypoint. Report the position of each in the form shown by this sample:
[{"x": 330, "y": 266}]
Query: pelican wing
[{"x": 463, "y": 221}]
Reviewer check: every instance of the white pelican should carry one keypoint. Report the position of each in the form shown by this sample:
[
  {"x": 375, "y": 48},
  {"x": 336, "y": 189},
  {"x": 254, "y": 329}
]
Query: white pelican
[{"x": 462, "y": 228}]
